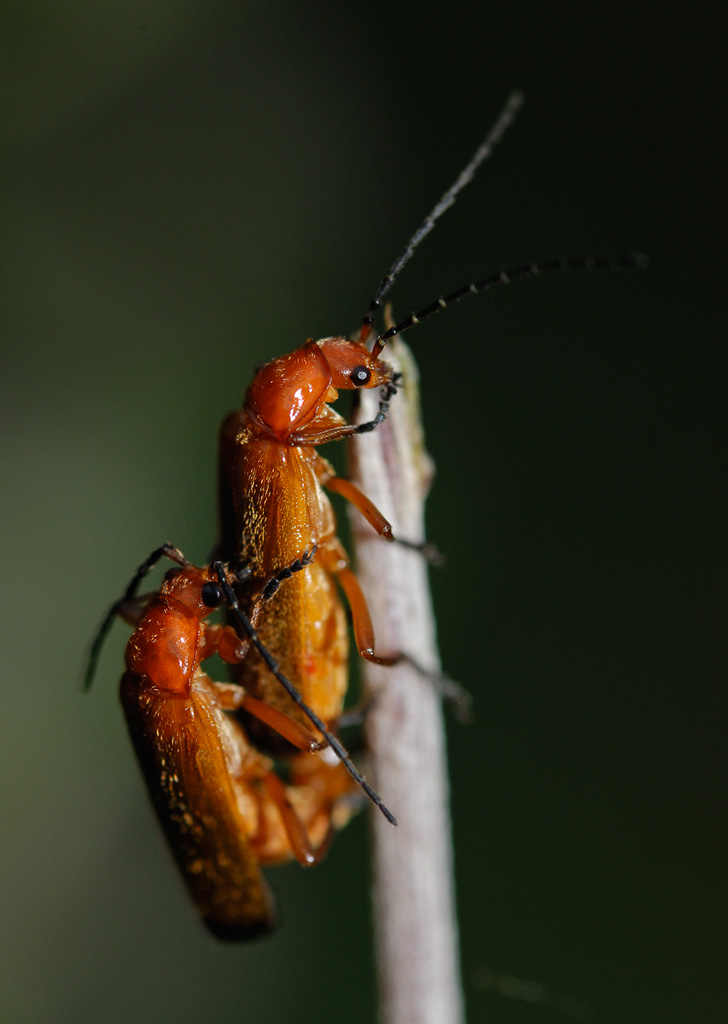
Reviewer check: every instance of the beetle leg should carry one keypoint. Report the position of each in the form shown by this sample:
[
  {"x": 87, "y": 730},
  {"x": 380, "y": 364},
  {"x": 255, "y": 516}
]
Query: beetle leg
[
  {"x": 334, "y": 796},
  {"x": 359, "y": 500},
  {"x": 362, "y": 620},
  {"x": 224, "y": 641},
  {"x": 337, "y": 565},
  {"x": 298, "y": 837},
  {"x": 277, "y": 578},
  {"x": 232, "y": 697},
  {"x": 350, "y": 492},
  {"x": 289, "y": 728},
  {"x": 334, "y": 560}
]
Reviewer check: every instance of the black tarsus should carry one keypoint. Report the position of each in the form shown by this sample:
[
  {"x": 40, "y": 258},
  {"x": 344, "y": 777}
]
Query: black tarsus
[
  {"x": 430, "y": 552},
  {"x": 385, "y": 395},
  {"x": 288, "y": 686},
  {"x": 285, "y": 574}
]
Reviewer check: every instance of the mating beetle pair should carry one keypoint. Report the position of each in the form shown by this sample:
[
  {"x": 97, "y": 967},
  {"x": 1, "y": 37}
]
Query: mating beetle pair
[{"x": 223, "y": 806}]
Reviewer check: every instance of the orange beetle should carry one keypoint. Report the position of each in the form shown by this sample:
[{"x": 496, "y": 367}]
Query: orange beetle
[
  {"x": 272, "y": 507},
  {"x": 224, "y": 810},
  {"x": 272, "y": 503}
]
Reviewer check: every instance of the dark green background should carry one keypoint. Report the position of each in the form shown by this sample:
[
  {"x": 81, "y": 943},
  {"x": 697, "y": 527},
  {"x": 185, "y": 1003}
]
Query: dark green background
[{"x": 190, "y": 188}]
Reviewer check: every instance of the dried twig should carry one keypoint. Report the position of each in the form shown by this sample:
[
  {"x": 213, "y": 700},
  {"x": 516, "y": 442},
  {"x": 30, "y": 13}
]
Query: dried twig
[{"x": 415, "y": 925}]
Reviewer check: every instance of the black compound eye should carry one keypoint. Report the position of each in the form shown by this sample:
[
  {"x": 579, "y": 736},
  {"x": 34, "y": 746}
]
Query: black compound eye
[
  {"x": 211, "y": 595},
  {"x": 360, "y": 376}
]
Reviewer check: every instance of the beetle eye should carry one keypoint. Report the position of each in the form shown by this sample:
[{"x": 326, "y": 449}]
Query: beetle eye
[
  {"x": 211, "y": 595},
  {"x": 360, "y": 376}
]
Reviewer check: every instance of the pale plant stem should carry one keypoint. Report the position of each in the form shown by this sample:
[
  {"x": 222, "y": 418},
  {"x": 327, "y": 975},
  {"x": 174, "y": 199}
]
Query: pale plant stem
[{"x": 416, "y": 937}]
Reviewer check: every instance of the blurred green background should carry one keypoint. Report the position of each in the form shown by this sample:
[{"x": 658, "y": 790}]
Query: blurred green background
[{"x": 190, "y": 188}]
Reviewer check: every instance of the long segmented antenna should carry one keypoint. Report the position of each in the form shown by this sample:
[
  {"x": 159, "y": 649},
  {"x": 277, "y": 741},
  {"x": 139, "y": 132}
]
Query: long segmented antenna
[
  {"x": 288, "y": 686},
  {"x": 513, "y": 104},
  {"x": 164, "y": 550},
  {"x": 635, "y": 260}
]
